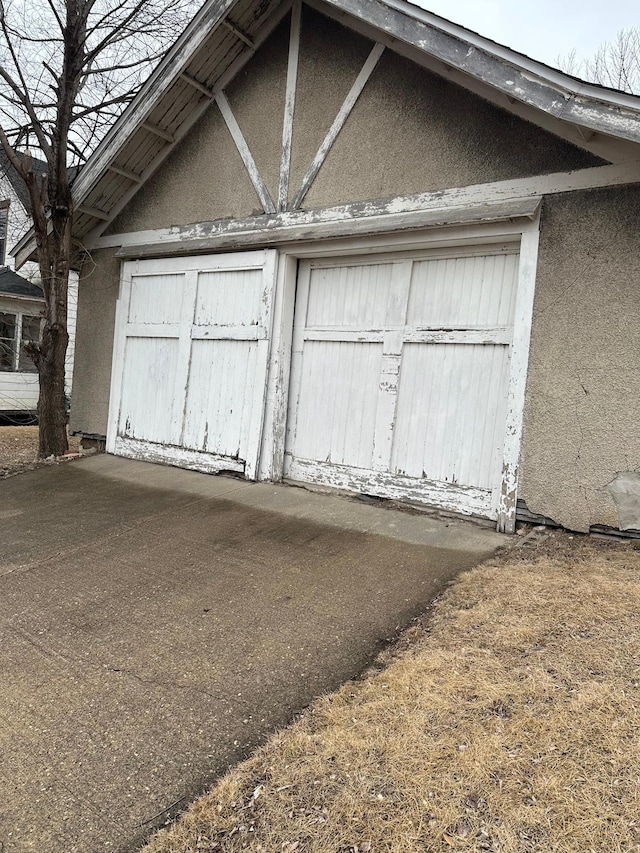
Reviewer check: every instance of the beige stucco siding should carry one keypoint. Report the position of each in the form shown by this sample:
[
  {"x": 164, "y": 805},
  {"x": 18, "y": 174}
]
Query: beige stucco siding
[
  {"x": 410, "y": 131},
  {"x": 97, "y": 295},
  {"x": 583, "y": 392},
  {"x": 204, "y": 178}
]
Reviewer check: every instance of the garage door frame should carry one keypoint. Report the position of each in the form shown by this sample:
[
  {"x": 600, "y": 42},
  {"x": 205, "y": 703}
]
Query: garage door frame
[{"x": 523, "y": 231}]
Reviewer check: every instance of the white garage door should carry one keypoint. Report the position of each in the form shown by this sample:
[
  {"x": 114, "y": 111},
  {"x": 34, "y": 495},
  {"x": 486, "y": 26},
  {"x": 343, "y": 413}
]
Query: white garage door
[
  {"x": 400, "y": 375},
  {"x": 190, "y": 360}
]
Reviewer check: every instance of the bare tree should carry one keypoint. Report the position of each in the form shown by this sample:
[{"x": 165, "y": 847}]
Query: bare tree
[
  {"x": 616, "y": 64},
  {"x": 67, "y": 69}
]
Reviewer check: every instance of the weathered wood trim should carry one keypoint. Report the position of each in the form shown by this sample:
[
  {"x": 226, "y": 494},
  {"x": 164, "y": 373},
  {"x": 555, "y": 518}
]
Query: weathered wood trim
[
  {"x": 265, "y": 31},
  {"x": 523, "y": 319},
  {"x": 237, "y": 32},
  {"x": 93, "y": 211},
  {"x": 500, "y": 200},
  {"x": 117, "y": 361},
  {"x": 125, "y": 173},
  {"x": 196, "y": 84},
  {"x": 228, "y": 333},
  {"x": 601, "y": 112},
  {"x": 183, "y": 360},
  {"x": 158, "y": 131},
  {"x": 194, "y": 460},
  {"x": 290, "y": 103},
  {"x": 243, "y": 149},
  {"x": 339, "y": 122},
  {"x": 474, "y": 337},
  {"x": 461, "y": 499},
  {"x": 392, "y": 346},
  {"x": 254, "y": 444},
  {"x": 275, "y": 424},
  {"x": 198, "y": 31}
]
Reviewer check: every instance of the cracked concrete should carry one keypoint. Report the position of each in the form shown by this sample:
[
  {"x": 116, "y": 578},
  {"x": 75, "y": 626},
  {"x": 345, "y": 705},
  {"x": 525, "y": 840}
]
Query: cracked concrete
[{"x": 158, "y": 624}]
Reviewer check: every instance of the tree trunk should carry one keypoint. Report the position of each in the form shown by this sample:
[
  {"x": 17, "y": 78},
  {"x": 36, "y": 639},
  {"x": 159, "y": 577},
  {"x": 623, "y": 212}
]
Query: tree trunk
[{"x": 52, "y": 416}]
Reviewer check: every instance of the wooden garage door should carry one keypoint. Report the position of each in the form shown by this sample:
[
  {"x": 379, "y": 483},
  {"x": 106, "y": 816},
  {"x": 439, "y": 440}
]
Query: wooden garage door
[
  {"x": 190, "y": 360},
  {"x": 400, "y": 376}
]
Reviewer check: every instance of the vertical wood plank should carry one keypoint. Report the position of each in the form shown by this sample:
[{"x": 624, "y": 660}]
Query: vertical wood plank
[
  {"x": 183, "y": 368},
  {"x": 117, "y": 360},
  {"x": 391, "y": 363},
  {"x": 518, "y": 377},
  {"x": 290, "y": 103},
  {"x": 254, "y": 437},
  {"x": 302, "y": 302},
  {"x": 338, "y": 124},
  {"x": 243, "y": 149}
]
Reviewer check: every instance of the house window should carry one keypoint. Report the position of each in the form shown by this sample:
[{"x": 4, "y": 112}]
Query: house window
[{"x": 16, "y": 330}]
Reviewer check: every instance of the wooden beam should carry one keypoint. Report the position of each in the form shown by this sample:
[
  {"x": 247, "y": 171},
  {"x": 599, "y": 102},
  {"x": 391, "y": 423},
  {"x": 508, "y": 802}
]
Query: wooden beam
[
  {"x": 152, "y": 92},
  {"x": 93, "y": 211},
  {"x": 197, "y": 85},
  {"x": 158, "y": 131},
  {"x": 493, "y": 201},
  {"x": 125, "y": 173},
  {"x": 338, "y": 124},
  {"x": 247, "y": 157},
  {"x": 285, "y": 228},
  {"x": 289, "y": 107},
  {"x": 271, "y": 22},
  {"x": 237, "y": 32}
]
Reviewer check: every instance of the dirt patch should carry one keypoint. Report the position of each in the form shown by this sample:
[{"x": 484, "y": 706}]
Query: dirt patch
[
  {"x": 19, "y": 449},
  {"x": 507, "y": 721}
]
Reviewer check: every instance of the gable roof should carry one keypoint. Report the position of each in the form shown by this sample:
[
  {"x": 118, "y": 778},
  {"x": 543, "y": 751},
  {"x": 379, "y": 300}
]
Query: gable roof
[
  {"x": 12, "y": 284},
  {"x": 225, "y": 34}
]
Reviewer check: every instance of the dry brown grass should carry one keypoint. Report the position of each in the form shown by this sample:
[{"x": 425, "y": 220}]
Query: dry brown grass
[
  {"x": 510, "y": 722},
  {"x": 19, "y": 448}
]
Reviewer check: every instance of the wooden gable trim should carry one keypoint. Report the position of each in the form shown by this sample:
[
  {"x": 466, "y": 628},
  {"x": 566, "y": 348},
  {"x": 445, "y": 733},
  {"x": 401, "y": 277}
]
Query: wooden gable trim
[
  {"x": 477, "y": 203},
  {"x": 247, "y": 157},
  {"x": 600, "y": 112},
  {"x": 338, "y": 123}
]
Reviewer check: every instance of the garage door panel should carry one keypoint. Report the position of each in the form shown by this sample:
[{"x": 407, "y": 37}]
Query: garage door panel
[
  {"x": 463, "y": 292},
  {"x": 148, "y": 399},
  {"x": 451, "y": 413},
  {"x": 355, "y": 296},
  {"x": 220, "y": 397},
  {"x": 156, "y": 299},
  {"x": 400, "y": 375},
  {"x": 229, "y": 298},
  {"x": 190, "y": 360},
  {"x": 337, "y": 405}
]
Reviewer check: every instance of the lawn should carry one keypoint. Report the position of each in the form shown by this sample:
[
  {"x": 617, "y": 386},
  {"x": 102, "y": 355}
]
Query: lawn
[
  {"x": 19, "y": 448},
  {"x": 507, "y": 719}
]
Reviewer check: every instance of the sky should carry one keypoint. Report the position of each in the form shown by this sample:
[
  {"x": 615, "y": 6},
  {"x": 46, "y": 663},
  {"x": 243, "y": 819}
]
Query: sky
[{"x": 544, "y": 29}]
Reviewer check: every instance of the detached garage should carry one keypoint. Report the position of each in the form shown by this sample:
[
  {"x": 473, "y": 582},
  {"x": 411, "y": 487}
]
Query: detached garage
[{"x": 355, "y": 245}]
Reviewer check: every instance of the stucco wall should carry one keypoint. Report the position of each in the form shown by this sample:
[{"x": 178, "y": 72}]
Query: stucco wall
[
  {"x": 582, "y": 411},
  {"x": 410, "y": 131},
  {"x": 99, "y": 281}
]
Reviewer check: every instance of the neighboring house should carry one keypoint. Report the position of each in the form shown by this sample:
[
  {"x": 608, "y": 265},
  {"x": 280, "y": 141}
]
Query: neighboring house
[
  {"x": 21, "y": 305},
  {"x": 15, "y": 221},
  {"x": 352, "y": 244}
]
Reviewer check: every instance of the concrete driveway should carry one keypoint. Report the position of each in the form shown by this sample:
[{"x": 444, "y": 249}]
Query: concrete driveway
[{"x": 157, "y": 624}]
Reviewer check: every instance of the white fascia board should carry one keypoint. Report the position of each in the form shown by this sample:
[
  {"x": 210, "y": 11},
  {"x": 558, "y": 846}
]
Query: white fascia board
[
  {"x": 553, "y": 76},
  {"x": 600, "y": 110}
]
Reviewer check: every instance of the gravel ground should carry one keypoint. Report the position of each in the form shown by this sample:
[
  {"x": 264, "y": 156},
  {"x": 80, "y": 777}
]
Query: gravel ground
[{"x": 19, "y": 449}]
